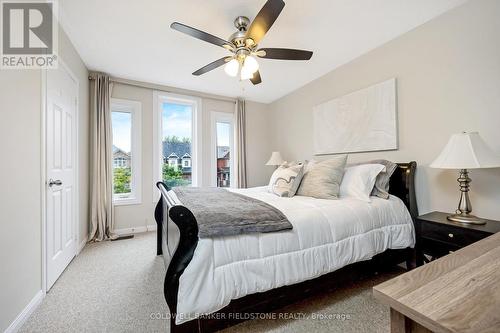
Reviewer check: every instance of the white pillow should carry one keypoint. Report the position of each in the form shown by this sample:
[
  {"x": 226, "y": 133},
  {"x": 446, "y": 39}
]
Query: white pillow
[
  {"x": 359, "y": 180},
  {"x": 323, "y": 179},
  {"x": 308, "y": 165},
  {"x": 286, "y": 179}
]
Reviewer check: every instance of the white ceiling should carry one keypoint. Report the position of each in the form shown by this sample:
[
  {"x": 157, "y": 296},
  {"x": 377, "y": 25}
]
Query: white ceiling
[{"x": 132, "y": 39}]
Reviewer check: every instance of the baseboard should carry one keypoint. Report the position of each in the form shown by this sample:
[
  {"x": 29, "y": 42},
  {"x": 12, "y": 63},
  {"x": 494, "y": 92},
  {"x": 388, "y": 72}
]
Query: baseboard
[
  {"x": 135, "y": 230},
  {"x": 82, "y": 245},
  {"x": 26, "y": 313}
]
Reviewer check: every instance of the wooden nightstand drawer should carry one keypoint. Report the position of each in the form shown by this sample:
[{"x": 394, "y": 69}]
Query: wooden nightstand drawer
[
  {"x": 456, "y": 236},
  {"x": 437, "y": 248}
]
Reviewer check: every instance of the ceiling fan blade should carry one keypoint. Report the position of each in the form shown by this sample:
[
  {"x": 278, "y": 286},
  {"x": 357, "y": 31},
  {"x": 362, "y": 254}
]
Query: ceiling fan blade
[
  {"x": 212, "y": 65},
  {"x": 264, "y": 20},
  {"x": 193, "y": 32},
  {"x": 256, "y": 78},
  {"x": 285, "y": 54}
]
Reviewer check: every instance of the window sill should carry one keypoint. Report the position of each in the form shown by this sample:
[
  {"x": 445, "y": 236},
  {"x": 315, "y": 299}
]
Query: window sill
[{"x": 126, "y": 202}]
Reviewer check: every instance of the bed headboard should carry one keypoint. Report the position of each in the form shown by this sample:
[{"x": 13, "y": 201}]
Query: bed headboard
[{"x": 402, "y": 185}]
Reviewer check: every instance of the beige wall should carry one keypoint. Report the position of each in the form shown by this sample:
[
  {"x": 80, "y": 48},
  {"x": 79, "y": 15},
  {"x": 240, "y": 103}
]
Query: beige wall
[
  {"x": 141, "y": 215},
  {"x": 20, "y": 176},
  {"x": 448, "y": 74},
  {"x": 259, "y": 143},
  {"x": 20, "y": 239}
]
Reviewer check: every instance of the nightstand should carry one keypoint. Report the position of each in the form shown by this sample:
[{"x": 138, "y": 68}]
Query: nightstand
[{"x": 437, "y": 237}]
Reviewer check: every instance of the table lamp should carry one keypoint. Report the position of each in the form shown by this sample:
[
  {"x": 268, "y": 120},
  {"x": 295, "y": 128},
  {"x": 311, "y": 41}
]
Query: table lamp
[
  {"x": 464, "y": 151},
  {"x": 275, "y": 159}
]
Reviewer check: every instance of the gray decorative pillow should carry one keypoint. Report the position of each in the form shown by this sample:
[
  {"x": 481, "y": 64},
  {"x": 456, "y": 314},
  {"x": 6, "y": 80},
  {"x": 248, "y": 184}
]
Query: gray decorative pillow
[
  {"x": 286, "y": 179},
  {"x": 322, "y": 180},
  {"x": 381, "y": 188}
]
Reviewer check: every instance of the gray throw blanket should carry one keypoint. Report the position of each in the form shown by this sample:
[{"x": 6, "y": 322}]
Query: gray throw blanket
[{"x": 222, "y": 213}]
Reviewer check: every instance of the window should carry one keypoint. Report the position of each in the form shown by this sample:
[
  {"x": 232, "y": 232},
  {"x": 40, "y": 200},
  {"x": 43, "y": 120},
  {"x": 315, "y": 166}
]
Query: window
[
  {"x": 223, "y": 149},
  {"x": 126, "y": 127},
  {"x": 177, "y": 120},
  {"x": 176, "y": 133}
]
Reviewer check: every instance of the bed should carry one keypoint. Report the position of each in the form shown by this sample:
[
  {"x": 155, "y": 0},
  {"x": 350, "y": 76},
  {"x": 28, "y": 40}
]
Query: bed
[{"x": 212, "y": 283}]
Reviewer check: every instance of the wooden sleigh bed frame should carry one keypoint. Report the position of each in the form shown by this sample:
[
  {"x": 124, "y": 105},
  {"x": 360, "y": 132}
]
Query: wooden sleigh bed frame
[{"x": 402, "y": 185}]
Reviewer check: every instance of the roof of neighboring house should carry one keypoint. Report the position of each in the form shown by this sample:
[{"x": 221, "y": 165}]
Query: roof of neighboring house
[
  {"x": 177, "y": 148},
  {"x": 117, "y": 150},
  {"x": 222, "y": 152},
  {"x": 183, "y": 149}
]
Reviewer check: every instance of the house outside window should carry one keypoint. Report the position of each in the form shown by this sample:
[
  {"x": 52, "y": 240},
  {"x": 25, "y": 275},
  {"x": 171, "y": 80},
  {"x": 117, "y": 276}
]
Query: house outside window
[
  {"x": 121, "y": 159},
  {"x": 223, "y": 166},
  {"x": 173, "y": 160},
  {"x": 178, "y": 152},
  {"x": 186, "y": 161},
  {"x": 126, "y": 151}
]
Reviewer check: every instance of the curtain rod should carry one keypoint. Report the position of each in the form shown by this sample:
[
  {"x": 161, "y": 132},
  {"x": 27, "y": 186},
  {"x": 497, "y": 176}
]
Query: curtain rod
[{"x": 167, "y": 89}]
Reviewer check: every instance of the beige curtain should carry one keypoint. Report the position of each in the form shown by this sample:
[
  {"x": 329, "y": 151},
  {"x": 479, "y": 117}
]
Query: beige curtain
[
  {"x": 101, "y": 173},
  {"x": 241, "y": 161}
]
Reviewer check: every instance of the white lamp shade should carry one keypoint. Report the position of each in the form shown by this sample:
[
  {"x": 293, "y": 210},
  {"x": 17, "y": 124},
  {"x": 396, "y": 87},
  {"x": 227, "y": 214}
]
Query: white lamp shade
[
  {"x": 232, "y": 67},
  {"x": 245, "y": 74},
  {"x": 466, "y": 150},
  {"x": 251, "y": 64},
  {"x": 275, "y": 159}
]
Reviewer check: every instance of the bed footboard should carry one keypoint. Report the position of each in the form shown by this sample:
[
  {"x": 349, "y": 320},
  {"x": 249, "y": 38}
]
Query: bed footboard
[{"x": 170, "y": 210}]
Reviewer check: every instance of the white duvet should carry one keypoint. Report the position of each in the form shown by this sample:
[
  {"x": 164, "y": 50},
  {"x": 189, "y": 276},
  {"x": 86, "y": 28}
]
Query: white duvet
[{"x": 326, "y": 235}]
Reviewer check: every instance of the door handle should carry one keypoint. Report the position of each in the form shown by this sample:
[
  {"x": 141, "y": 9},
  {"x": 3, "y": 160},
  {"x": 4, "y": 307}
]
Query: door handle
[{"x": 54, "y": 182}]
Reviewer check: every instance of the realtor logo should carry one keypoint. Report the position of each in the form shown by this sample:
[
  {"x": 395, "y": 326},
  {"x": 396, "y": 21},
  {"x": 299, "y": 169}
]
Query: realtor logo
[{"x": 29, "y": 34}]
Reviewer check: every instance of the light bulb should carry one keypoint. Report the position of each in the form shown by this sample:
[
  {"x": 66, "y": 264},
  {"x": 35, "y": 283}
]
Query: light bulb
[
  {"x": 232, "y": 67},
  {"x": 251, "y": 64},
  {"x": 246, "y": 74}
]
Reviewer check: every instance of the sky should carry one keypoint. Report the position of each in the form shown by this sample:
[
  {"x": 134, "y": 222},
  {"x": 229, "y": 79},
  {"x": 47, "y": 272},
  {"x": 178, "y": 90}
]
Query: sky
[
  {"x": 122, "y": 130},
  {"x": 176, "y": 120},
  {"x": 223, "y": 134}
]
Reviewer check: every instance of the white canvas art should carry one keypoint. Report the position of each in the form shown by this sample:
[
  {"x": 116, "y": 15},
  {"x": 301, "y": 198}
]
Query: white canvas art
[{"x": 364, "y": 120}]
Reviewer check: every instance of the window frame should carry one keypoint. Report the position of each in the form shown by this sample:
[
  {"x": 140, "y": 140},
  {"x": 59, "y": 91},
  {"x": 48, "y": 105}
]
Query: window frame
[
  {"x": 135, "y": 109},
  {"x": 222, "y": 117},
  {"x": 160, "y": 97}
]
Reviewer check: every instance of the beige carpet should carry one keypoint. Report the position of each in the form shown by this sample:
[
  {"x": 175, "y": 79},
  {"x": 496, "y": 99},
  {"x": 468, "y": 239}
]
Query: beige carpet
[{"x": 118, "y": 287}]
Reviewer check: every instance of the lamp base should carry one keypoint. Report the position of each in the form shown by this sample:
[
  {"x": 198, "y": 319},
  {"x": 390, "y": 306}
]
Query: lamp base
[
  {"x": 465, "y": 219},
  {"x": 463, "y": 213}
]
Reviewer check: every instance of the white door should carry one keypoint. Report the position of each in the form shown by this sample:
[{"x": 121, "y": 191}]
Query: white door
[{"x": 61, "y": 175}]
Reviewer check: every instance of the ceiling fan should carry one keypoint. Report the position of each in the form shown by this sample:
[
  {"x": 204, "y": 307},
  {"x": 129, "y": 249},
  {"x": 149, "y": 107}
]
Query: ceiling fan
[{"x": 243, "y": 44}]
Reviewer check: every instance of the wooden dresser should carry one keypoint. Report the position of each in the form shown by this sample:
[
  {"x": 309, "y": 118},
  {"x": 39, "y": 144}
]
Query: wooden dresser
[{"x": 456, "y": 293}]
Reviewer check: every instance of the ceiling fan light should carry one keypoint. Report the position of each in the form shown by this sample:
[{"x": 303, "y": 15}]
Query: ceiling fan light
[
  {"x": 246, "y": 74},
  {"x": 251, "y": 64},
  {"x": 232, "y": 67}
]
